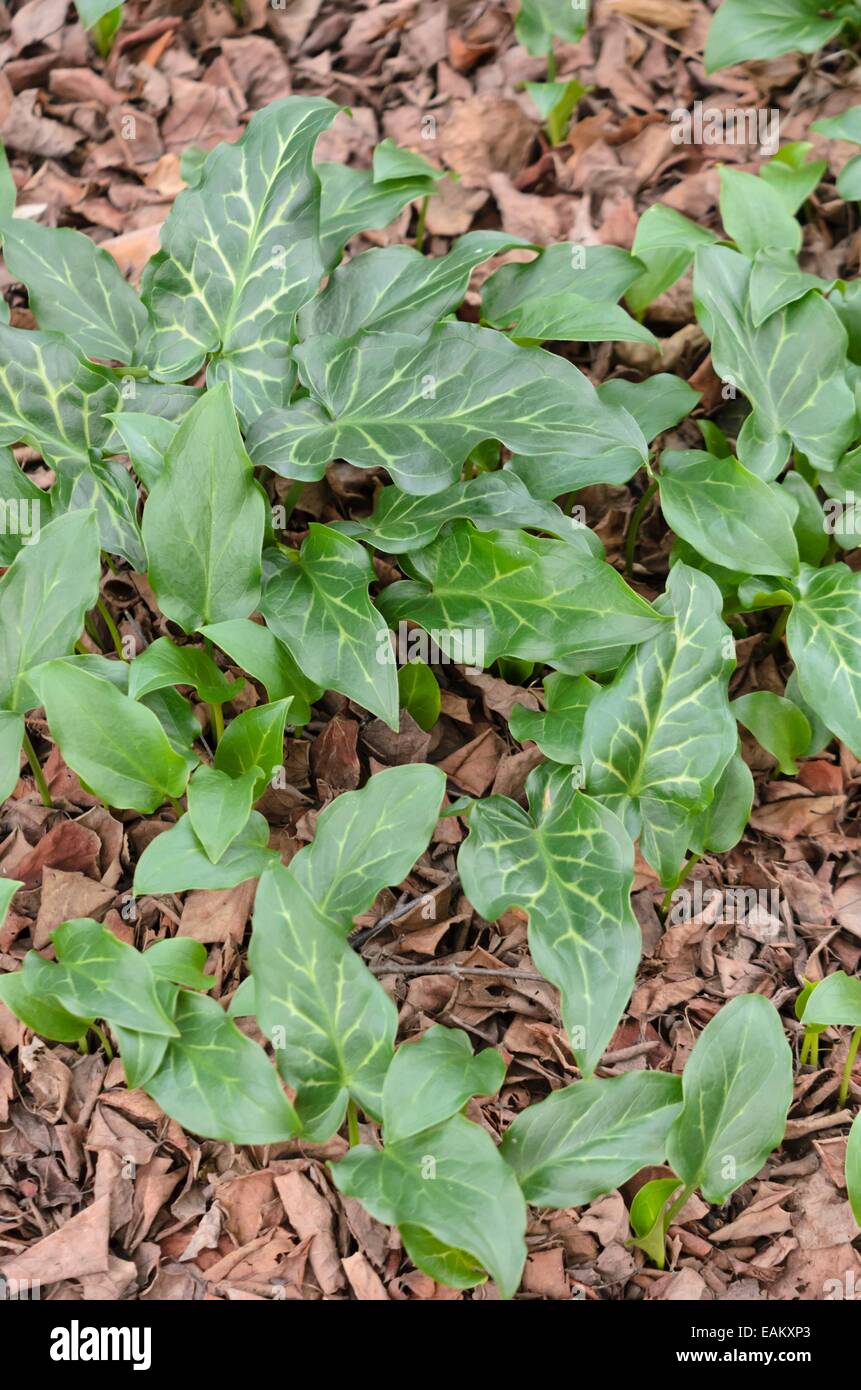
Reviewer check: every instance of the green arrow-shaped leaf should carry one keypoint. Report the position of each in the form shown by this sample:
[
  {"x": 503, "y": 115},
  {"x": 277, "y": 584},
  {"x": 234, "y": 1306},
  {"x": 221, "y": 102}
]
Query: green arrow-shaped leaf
[
  {"x": 429, "y": 1080},
  {"x": 736, "y": 1086},
  {"x": 824, "y": 638},
  {"x": 43, "y": 598},
  {"x": 505, "y": 593},
  {"x": 75, "y": 288},
  {"x": 204, "y": 520},
  {"x": 320, "y": 609},
  {"x": 240, "y": 254},
  {"x": 472, "y": 1203},
  {"x": 50, "y": 398},
  {"x": 215, "y": 1081},
  {"x": 588, "y": 1138},
  {"x": 569, "y": 863},
  {"x": 418, "y": 407},
  {"x": 103, "y": 977}
]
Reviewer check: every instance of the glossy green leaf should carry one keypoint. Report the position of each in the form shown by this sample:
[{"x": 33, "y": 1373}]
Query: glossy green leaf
[
  {"x": 504, "y": 593},
  {"x": 835, "y": 1000},
  {"x": 754, "y": 213},
  {"x": 369, "y": 840},
  {"x": 395, "y": 289},
  {"x": 431, "y": 1079},
  {"x": 50, "y": 398},
  {"x": 657, "y": 404},
  {"x": 320, "y": 609},
  {"x": 204, "y": 520},
  {"x": 240, "y": 253},
  {"x": 418, "y": 407},
  {"x": 75, "y": 288},
  {"x": 742, "y": 30},
  {"x": 254, "y": 741},
  {"x": 24, "y": 511},
  {"x": 648, "y": 1214},
  {"x": 116, "y": 746},
  {"x": 568, "y": 293},
  {"x": 163, "y": 663},
  {"x": 331, "y": 1022},
  {"x": 215, "y": 1081},
  {"x": 103, "y": 977},
  {"x": 29, "y": 994},
  {"x": 493, "y": 501},
  {"x": 146, "y": 439},
  {"x": 11, "y": 739},
  {"x": 824, "y": 638},
  {"x": 258, "y": 651},
  {"x": 776, "y": 281},
  {"x": 418, "y": 693},
  {"x": 539, "y": 22},
  {"x": 219, "y": 807},
  {"x": 43, "y": 598},
  {"x": 473, "y": 1203},
  {"x": 180, "y": 960},
  {"x": 108, "y": 488},
  {"x": 591, "y": 1137},
  {"x": 568, "y": 862},
  {"x": 718, "y": 828},
  {"x": 792, "y": 367},
  {"x": 663, "y": 727},
  {"x": 558, "y": 728},
  {"x": 665, "y": 243},
  {"x": 777, "y": 724},
  {"x": 727, "y": 513},
  {"x": 176, "y": 862},
  {"x": 737, "y": 1087},
  {"x": 853, "y": 1168},
  {"x": 353, "y": 201}
]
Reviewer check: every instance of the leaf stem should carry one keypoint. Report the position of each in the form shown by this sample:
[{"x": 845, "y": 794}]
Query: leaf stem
[
  {"x": 177, "y": 805},
  {"x": 109, "y": 623},
  {"x": 847, "y": 1070},
  {"x": 421, "y": 224},
  {"x": 778, "y": 630},
  {"x": 674, "y": 1210},
  {"x": 634, "y": 525},
  {"x": 103, "y": 1040},
  {"x": 686, "y": 869},
  {"x": 293, "y": 495},
  {"x": 38, "y": 774},
  {"x": 551, "y": 65},
  {"x": 353, "y": 1123},
  {"x": 217, "y": 716}
]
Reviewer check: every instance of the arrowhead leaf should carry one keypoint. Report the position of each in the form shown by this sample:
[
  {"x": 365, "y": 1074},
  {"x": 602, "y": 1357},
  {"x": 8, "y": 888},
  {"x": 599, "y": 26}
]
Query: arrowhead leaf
[
  {"x": 258, "y": 651},
  {"x": 792, "y": 367},
  {"x": 103, "y": 977},
  {"x": 741, "y": 31},
  {"x": 518, "y": 596},
  {"x": 429, "y": 1080},
  {"x": 569, "y": 863},
  {"x": 117, "y": 746},
  {"x": 332, "y": 1023},
  {"x": 419, "y": 406},
  {"x": 473, "y": 1203},
  {"x": 824, "y": 639},
  {"x": 44, "y": 596},
  {"x": 240, "y": 254},
  {"x": 591, "y": 1137},
  {"x": 215, "y": 1081},
  {"x": 204, "y": 520},
  {"x": 219, "y": 807},
  {"x": 76, "y": 289},
  {"x": 737, "y": 1087},
  {"x": 50, "y": 398},
  {"x": 320, "y": 609},
  {"x": 176, "y": 862},
  {"x": 663, "y": 727}
]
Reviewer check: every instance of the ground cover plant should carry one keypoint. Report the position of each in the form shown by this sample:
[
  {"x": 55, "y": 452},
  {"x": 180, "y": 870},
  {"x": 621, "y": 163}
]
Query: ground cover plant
[{"x": 180, "y": 429}]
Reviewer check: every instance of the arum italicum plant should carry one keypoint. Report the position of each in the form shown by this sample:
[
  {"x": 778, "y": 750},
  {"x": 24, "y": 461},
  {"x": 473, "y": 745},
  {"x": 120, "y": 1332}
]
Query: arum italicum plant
[{"x": 256, "y": 350}]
